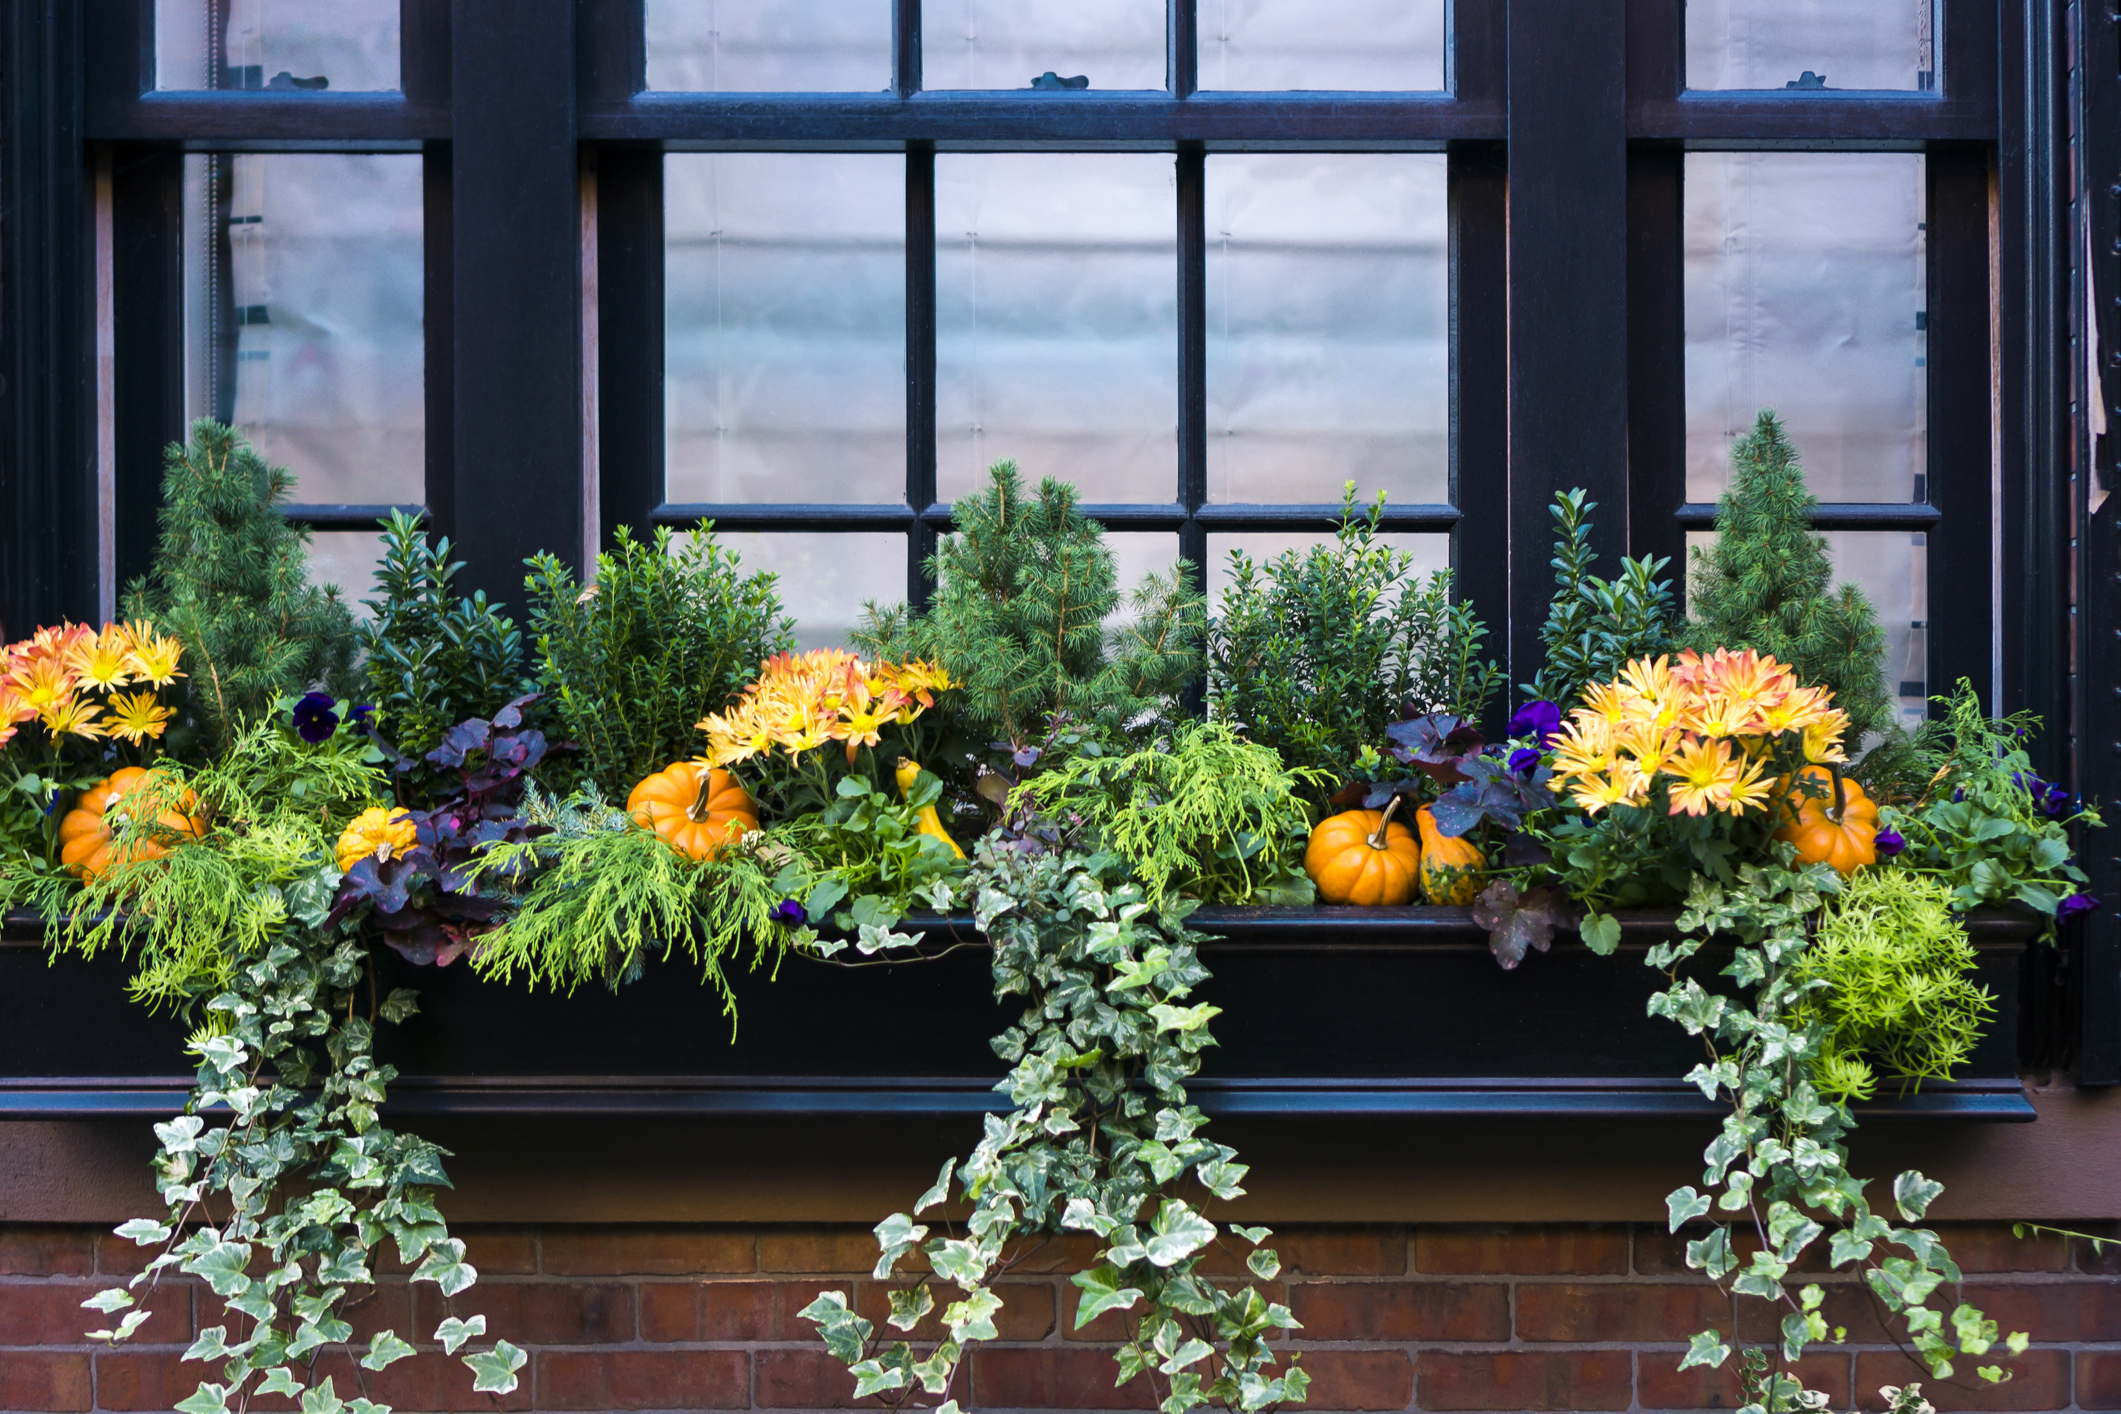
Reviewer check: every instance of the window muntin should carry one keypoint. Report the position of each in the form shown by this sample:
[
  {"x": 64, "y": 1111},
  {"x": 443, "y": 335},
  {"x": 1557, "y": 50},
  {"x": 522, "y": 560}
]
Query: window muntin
[
  {"x": 764, "y": 46},
  {"x": 304, "y": 317},
  {"x": 1807, "y": 44},
  {"x": 1056, "y": 321},
  {"x": 1361, "y": 45},
  {"x": 1113, "y": 44},
  {"x": 784, "y": 278},
  {"x": 1328, "y": 334},
  {"x": 291, "y": 45}
]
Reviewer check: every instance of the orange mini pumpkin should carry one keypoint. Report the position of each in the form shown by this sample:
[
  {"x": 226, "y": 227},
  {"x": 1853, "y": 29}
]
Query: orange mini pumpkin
[
  {"x": 697, "y": 809},
  {"x": 86, "y": 846},
  {"x": 1363, "y": 857},
  {"x": 1450, "y": 868},
  {"x": 1838, "y": 828}
]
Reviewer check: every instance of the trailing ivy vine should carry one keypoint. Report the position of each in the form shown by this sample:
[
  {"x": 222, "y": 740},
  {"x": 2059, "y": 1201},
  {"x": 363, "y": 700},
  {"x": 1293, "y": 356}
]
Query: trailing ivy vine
[{"x": 1101, "y": 1139}]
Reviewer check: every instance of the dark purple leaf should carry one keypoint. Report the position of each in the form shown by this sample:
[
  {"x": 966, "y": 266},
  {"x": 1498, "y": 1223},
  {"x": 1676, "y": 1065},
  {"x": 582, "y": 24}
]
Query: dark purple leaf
[
  {"x": 459, "y": 742},
  {"x": 1518, "y": 923},
  {"x": 512, "y": 714}
]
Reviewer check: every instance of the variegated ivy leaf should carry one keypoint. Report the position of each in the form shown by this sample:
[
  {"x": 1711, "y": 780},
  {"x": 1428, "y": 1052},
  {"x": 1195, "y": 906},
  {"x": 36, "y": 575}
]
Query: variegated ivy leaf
[
  {"x": 1913, "y": 1194},
  {"x": 934, "y": 1372},
  {"x": 445, "y": 1266},
  {"x": 494, "y": 1371},
  {"x": 145, "y": 1231},
  {"x": 1800, "y": 1328},
  {"x": 896, "y": 1236},
  {"x": 280, "y": 1380},
  {"x": 873, "y": 1376},
  {"x": 115, "y": 1298},
  {"x": 322, "y": 1398},
  {"x": 212, "y": 1344},
  {"x": 180, "y": 1135},
  {"x": 1706, "y": 1348},
  {"x": 957, "y": 1261},
  {"x": 1189, "y": 1018},
  {"x": 908, "y": 1306},
  {"x": 206, "y": 1399},
  {"x": 453, "y": 1332},
  {"x": 402, "y": 1002},
  {"x": 1253, "y": 1235},
  {"x": 1101, "y": 1293},
  {"x": 1177, "y": 1233},
  {"x": 1264, "y": 1263},
  {"x": 1683, "y": 1205},
  {"x": 132, "y": 1322},
  {"x": 844, "y": 1333},
  {"x": 973, "y": 1317},
  {"x": 1191, "y": 1353},
  {"x": 1221, "y": 1177},
  {"x": 384, "y": 1350},
  {"x": 364, "y": 1406}
]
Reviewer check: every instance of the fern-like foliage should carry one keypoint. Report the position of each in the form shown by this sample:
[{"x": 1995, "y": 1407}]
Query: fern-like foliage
[
  {"x": 1594, "y": 626},
  {"x": 1767, "y": 583},
  {"x": 666, "y": 635},
  {"x": 230, "y": 579},
  {"x": 1024, "y": 589}
]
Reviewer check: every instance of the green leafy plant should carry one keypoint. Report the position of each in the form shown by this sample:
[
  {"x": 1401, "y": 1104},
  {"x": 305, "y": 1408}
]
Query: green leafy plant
[
  {"x": 1888, "y": 980},
  {"x": 1765, "y": 583},
  {"x": 230, "y": 579},
  {"x": 1199, "y": 814},
  {"x": 1779, "y": 1166},
  {"x": 1023, "y": 591},
  {"x": 434, "y": 657},
  {"x": 1594, "y": 626},
  {"x": 1101, "y": 1139},
  {"x": 665, "y": 635},
  {"x": 864, "y": 860},
  {"x": 1316, "y": 651}
]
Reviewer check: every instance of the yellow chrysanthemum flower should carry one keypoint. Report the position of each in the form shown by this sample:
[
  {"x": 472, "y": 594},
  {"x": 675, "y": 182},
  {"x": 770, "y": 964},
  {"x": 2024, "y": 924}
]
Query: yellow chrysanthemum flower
[
  {"x": 73, "y": 717},
  {"x": 137, "y": 717},
  {"x": 154, "y": 656},
  {"x": 103, "y": 662}
]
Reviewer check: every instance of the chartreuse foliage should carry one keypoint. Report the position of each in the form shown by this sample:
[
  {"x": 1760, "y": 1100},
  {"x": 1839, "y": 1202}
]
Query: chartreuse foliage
[
  {"x": 1780, "y": 1165},
  {"x": 1101, "y": 1139},
  {"x": 1894, "y": 989},
  {"x": 1200, "y": 814},
  {"x": 282, "y": 1188},
  {"x": 1594, "y": 626},
  {"x": 1316, "y": 651}
]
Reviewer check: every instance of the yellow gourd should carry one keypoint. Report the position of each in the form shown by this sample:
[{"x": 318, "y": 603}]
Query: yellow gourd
[
  {"x": 379, "y": 832},
  {"x": 695, "y": 808},
  {"x": 1839, "y": 827},
  {"x": 85, "y": 844},
  {"x": 1363, "y": 857},
  {"x": 1450, "y": 868},
  {"x": 909, "y": 771}
]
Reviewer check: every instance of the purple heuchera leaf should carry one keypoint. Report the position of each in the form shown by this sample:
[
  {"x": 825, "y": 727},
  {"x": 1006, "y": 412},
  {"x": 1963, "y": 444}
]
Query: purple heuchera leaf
[
  {"x": 1436, "y": 745},
  {"x": 1541, "y": 719},
  {"x": 1518, "y": 923},
  {"x": 2074, "y": 905},
  {"x": 314, "y": 718}
]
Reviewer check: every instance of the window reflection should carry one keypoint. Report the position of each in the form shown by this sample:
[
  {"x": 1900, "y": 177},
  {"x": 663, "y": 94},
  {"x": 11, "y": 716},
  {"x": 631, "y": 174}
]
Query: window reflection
[
  {"x": 1811, "y": 44},
  {"x": 1365, "y": 45},
  {"x": 290, "y": 45},
  {"x": 1431, "y": 553},
  {"x": 825, "y": 577},
  {"x": 1106, "y": 44},
  {"x": 751, "y": 46}
]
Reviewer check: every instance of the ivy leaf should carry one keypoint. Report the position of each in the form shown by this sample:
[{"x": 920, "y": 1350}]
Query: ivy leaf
[
  {"x": 280, "y": 1379},
  {"x": 973, "y": 1317},
  {"x": 910, "y": 1305},
  {"x": 1177, "y": 1233},
  {"x": 144, "y": 1231},
  {"x": 1706, "y": 1348},
  {"x": 1191, "y": 1018},
  {"x": 1683, "y": 1205},
  {"x": 1264, "y": 1263},
  {"x": 384, "y": 1350},
  {"x": 212, "y": 1344},
  {"x": 322, "y": 1399},
  {"x": 1600, "y": 933},
  {"x": 402, "y": 1002},
  {"x": 452, "y": 1333},
  {"x": 206, "y": 1399},
  {"x": 1101, "y": 1293},
  {"x": 445, "y": 1266},
  {"x": 116, "y": 1298},
  {"x": 895, "y": 1236},
  {"x": 1913, "y": 1194},
  {"x": 940, "y": 1193},
  {"x": 494, "y": 1371}
]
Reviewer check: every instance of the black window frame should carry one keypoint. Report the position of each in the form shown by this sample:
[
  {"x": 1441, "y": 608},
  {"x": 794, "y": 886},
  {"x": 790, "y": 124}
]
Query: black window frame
[{"x": 1565, "y": 124}]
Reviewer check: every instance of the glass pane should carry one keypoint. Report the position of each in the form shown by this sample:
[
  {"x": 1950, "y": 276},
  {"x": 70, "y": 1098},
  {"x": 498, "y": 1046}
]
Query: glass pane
[
  {"x": 1892, "y": 568},
  {"x": 1014, "y": 43},
  {"x": 1134, "y": 554},
  {"x": 1369, "y": 45},
  {"x": 1431, "y": 553},
  {"x": 825, "y": 577},
  {"x": 1801, "y": 44},
  {"x": 1805, "y": 294},
  {"x": 288, "y": 45},
  {"x": 752, "y": 46},
  {"x": 347, "y": 559},
  {"x": 1328, "y": 327},
  {"x": 784, "y": 302},
  {"x": 1057, "y": 321},
  {"x": 303, "y": 316}
]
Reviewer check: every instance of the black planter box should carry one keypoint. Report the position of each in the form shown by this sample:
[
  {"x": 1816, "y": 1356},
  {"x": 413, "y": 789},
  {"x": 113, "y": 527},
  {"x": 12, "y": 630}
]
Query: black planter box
[{"x": 1331, "y": 1011}]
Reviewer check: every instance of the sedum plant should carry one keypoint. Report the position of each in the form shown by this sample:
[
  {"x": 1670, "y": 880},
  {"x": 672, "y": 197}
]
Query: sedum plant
[{"x": 1101, "y": 1139}]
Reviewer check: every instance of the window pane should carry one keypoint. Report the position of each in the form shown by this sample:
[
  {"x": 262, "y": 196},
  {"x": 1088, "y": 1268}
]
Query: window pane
[
  {"x": 1431, "y": 553},
  {"x": 1800, "y": 44},
  {"x": 784, "y": 300},
  {"x": 1805, "y": 294},
  {"x": 1011, "y": 43},
  {"x": 276, "y": 44},
  {"x": 1892, "y": 568},
  {"x": 346, "y": 559},
  {"x": 1056, "y": 321},
  {"x": 825, "y": 577},
  {"x": 1322, "y": 44},
  {"x": 752, "y": 46},
  {"x": 1328, "y": 327},
  {"x": 303, "y": 316}
]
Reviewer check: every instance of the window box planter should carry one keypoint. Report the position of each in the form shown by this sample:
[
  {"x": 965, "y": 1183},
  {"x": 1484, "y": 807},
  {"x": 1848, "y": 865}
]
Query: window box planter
[{"x": 1381, "y": 1012}]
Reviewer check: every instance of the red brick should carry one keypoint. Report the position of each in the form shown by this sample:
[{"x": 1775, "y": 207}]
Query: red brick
[
  {"x": 2096, "y": 1258},
  {"x": 44, "y": 1379},
  {"x": 2040, "y": 1379},
  {"x": 434, "y": 1381},
  {"x": 1662, "y": 1253},
  {"x": 1337, "y": 1252},
  {"x": 384, "y": 1307},
  {"x": 808, "y": 1379},
  {"x": 644, "y": 1379},
  {"x": 1073, "y": 1378},
  {"x": 536, "y": 1312},
  {"x": 1521, "y": 1251},
  {"x": 1115, "y": 1327},
  {"x": 1395, "y": 1310},
  {"x": 2051, "y": 1311},
  {"x": 647, "y": 1251},
  {"x": 1026, "y": 1314},
  {"x": 494, "y": 1251},
  {"x": 1358, "y": 1379},
  {"x": 50, "y": 1313},
  {"x": 147, "y": 1379},
  {"x": 1992, "y": 1247},
  {"x": 116, "y": 1257},
  {"x": 2099, "y": 1379},
  {"x": 850, "y": 1250},
  {"x": 1572, "y": 1379},
  {"x": 1575, "y": 1311},
  {"x": 729, "y": 1310},
  {"x": 1849, "y": 1307},
  {"x": 1068, "y": 1253},
  {"x": 1661, "y": 1384},
  {"x": 35, "y": 1251}
]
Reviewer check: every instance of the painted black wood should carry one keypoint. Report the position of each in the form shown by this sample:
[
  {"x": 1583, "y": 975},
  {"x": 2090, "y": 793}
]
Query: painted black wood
[
  {"x": 1656, "y": 353},
  {"x": 1480, "y": 379},
  {"x": 1168, "y": 515},
  {"x": 920, "y": 350},
  {"x": 1192, "y": 180},
  {"x": 905, "y": 47},
  {"x": 258, "y": 121},
  {"x": 347, "y": 517},
  {"x": 47, "y": 330},
  {"x": 516, "y": 258},
  {"x": 438, "y": 303},
  {"x": 1836, "y": 515},
  {"x": 611, "y": 49},
  {"x": 1959, "y": 640},
  {"x": 629, "y": 338},
  {"x": 1568, "y": 264},
  {"x": 423, "y": 51},
  {"x": 147, "y": 304}
]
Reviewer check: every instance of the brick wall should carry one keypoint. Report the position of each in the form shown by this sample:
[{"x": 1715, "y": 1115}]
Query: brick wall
[{"x": 1445, "y": 1318}]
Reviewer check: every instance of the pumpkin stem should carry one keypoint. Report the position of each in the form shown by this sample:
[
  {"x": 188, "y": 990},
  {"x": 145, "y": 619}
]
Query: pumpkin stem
[
  {"x": 1841, "y": 803},
  {"x": 1377, "y": 836},
  {"x": 697, "y": 811}
]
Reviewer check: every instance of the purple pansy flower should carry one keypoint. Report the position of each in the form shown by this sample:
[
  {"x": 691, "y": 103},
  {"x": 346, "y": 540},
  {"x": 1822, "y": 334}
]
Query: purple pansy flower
[
  {"x": 790, "y": 914},
  {"x": 1524, "y": 760},
  {"x": 2073, "y": 905},
  {"x": 315, "y": 720},
  {"x": 1889, "y": 842},
  {"x": 1541, "y": 719},
  {"x": 361, "y": 713}
]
